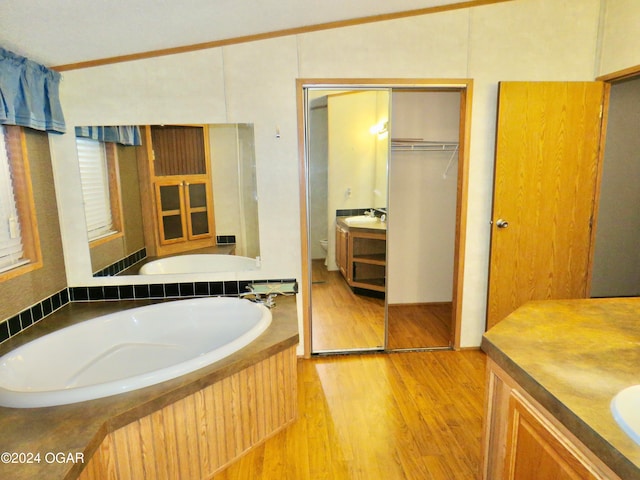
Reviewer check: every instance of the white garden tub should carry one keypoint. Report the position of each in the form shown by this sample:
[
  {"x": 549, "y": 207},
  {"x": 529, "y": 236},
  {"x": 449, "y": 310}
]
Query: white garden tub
[
  {"x": 128, "y": 350},
  {"x": 200, "y": 263}
]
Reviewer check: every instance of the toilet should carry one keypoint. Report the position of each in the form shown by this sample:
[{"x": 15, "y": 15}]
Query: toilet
[{"x": 323, "y": 244}]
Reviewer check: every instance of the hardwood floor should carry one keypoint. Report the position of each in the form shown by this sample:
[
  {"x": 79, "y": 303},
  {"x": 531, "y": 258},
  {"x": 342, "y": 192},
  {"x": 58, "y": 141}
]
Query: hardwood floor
[
  {"x": 419, "y": 326},
  {"x": 409, "y": 415},
  {"x": 343, "y": 321}
]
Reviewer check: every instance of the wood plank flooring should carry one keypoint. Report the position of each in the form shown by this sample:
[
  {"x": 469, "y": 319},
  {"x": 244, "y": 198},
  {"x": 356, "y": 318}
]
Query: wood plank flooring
[
  {"x": 343, "y": 321},
  {"x": 419, "y": 326},
  {"x": 409, "y": 415}
]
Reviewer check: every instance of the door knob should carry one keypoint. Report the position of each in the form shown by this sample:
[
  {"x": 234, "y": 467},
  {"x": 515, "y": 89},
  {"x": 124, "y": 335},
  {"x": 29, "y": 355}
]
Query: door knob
[{"x": 500, "y": 223}]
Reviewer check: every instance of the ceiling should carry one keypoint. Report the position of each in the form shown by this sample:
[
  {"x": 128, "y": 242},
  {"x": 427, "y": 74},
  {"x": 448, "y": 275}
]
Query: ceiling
[{"x": 72, "y": 31}]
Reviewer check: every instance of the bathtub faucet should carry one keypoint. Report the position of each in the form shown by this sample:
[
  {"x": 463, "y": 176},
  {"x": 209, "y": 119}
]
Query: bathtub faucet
[
  {"x": 265, "y": 293},
  {"x": 268, "y": 301}
]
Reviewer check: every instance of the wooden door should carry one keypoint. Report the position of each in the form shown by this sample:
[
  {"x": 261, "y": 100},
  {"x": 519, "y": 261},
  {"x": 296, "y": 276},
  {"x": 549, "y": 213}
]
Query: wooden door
[
  {"x": 198, "y": 209},
  {"x": 184, "y": 210},
  {"x": 547, "y": 154},
  {"x": 171, "y": 212}
]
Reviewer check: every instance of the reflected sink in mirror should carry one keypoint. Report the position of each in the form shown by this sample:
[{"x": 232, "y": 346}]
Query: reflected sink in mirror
[
  {"x": 365, "y": 221},
  {"x": 625, "y": 408}
]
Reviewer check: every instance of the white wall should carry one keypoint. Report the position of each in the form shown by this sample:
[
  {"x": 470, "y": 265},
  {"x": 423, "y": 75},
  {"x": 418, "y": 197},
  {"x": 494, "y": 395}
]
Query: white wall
[
  {"x": 351, "y": 155},
  {"x": 422, "y": 202},
  {"x": 255, "y": 83},
  {"x": 620, "y": 40},
  {"x": 318, "y": 180},
  {"x": 248, "y": 194},
  {"x": 223, "y": 140}
]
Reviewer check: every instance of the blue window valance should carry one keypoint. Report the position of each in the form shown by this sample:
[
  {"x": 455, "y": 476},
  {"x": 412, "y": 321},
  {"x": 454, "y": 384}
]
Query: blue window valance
[
  {"x": 123, "y": 134},
  {"x": 29, "y": 94}
]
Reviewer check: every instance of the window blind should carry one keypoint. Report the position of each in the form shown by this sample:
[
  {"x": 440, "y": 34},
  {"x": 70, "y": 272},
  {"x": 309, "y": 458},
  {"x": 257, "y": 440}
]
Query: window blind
[
  {"x": 11, "y": 253},
  {"x": 95, "y": 187}
]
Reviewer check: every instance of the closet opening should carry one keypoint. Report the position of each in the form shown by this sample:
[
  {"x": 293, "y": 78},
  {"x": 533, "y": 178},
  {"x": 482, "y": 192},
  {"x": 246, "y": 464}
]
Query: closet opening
[{"x": 383, "y": 182}]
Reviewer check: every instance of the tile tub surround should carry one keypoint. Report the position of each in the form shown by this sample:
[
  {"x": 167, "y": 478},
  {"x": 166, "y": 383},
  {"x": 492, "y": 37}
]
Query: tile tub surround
[
  {"x": 35, "y": 313},
  {"x": 573, "y": 357},
  {"x": 14, "y": 325},
  {"x": 82, "y": 427},
  {"x": 226, "y": 240},
  {"x": 123, "y": 264}
]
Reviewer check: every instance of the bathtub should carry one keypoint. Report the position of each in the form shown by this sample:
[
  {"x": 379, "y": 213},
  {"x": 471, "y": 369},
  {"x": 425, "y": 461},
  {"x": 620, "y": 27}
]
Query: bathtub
[
  {"x": 128, "y": 350},
  {"x": 200, "y": 263}
]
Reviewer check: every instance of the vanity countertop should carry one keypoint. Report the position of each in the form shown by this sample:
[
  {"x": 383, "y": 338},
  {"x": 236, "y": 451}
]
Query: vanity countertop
[
  {"x": 76, "y": 430},
  {"x": 373, "y": 225},
  {"x": 573, "y": 357}
]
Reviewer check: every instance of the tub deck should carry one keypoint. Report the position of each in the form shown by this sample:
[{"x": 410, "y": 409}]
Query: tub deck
[{"x": 65, "y": 435}]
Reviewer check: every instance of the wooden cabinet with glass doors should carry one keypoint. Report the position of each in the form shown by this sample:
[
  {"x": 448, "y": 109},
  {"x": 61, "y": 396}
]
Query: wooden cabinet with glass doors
[{"x": 179, "y": 169}]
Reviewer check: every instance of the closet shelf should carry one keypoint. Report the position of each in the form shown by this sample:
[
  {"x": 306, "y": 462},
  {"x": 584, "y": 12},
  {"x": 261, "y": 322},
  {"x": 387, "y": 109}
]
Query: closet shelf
[{"x": 420, "y": 145}]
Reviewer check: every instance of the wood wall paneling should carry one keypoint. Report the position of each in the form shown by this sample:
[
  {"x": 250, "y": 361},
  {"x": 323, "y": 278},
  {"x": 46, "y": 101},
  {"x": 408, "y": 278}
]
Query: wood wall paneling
[{"x": 204, "y": 432}]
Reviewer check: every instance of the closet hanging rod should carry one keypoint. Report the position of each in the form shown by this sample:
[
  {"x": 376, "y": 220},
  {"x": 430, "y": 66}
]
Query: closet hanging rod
[{"x": 417, "y": 144}]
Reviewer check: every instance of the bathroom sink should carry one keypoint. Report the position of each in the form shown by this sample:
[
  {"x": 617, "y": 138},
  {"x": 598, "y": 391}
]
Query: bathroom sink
[
  {"x": 364, "y": 221},
  {"x": 625, "y": 407}
]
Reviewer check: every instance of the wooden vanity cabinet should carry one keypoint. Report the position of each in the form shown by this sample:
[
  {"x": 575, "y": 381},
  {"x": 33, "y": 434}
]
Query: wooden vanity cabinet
[
  {"x": 523, "y": 441},
  {"x": 367, "y": 260},
  {"x": 342, "y": 248},
  {"x": 361, "y": 257}
]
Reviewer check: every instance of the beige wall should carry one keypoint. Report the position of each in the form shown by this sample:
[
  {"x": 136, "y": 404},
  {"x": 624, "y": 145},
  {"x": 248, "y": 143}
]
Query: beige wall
[
  {"x": 131, "y": 204},
  {"x": 620, "y": 40},
  {"x": 21, "y": 292},
  {"x": 422, "y": 202},
  {"x": 224, "y": 167},
  {"x": 255, "y": 83},
  {"x": 351, "y": 157}
]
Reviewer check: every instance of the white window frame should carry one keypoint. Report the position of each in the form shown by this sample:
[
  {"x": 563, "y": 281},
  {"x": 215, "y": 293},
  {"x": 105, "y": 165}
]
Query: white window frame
[{"x": 19, "y": 240}]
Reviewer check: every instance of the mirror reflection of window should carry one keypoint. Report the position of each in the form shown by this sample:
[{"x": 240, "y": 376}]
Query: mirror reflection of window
[
  {"x": 94, "y": 173},
  {"x": 164, "y": 200}
]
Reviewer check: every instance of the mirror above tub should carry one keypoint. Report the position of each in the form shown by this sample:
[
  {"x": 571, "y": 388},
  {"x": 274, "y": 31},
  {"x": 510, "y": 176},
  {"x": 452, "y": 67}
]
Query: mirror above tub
[{"x": 169, "y": 199}]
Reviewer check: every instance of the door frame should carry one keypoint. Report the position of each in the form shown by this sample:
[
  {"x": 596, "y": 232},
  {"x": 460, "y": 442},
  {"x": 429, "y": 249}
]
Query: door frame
[
  {"x": 465, "y": 86},
  {"x": 608, "y": 79}
]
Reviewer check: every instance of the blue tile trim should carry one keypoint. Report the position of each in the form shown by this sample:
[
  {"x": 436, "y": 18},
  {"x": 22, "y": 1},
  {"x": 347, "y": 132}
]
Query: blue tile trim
[
  {"x": 35, "y": 313},
  {"x": 121, "y": 265},
  {"x": 225, "y": 239},
  {"x": 352, "y": 212},
  {"x": 165, "y": 290}
]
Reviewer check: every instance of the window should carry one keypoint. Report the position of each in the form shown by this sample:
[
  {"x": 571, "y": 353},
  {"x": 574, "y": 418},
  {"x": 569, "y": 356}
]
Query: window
[
  {"x": 19, "y": 242},
  {"x": 100, "y": 188}
]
